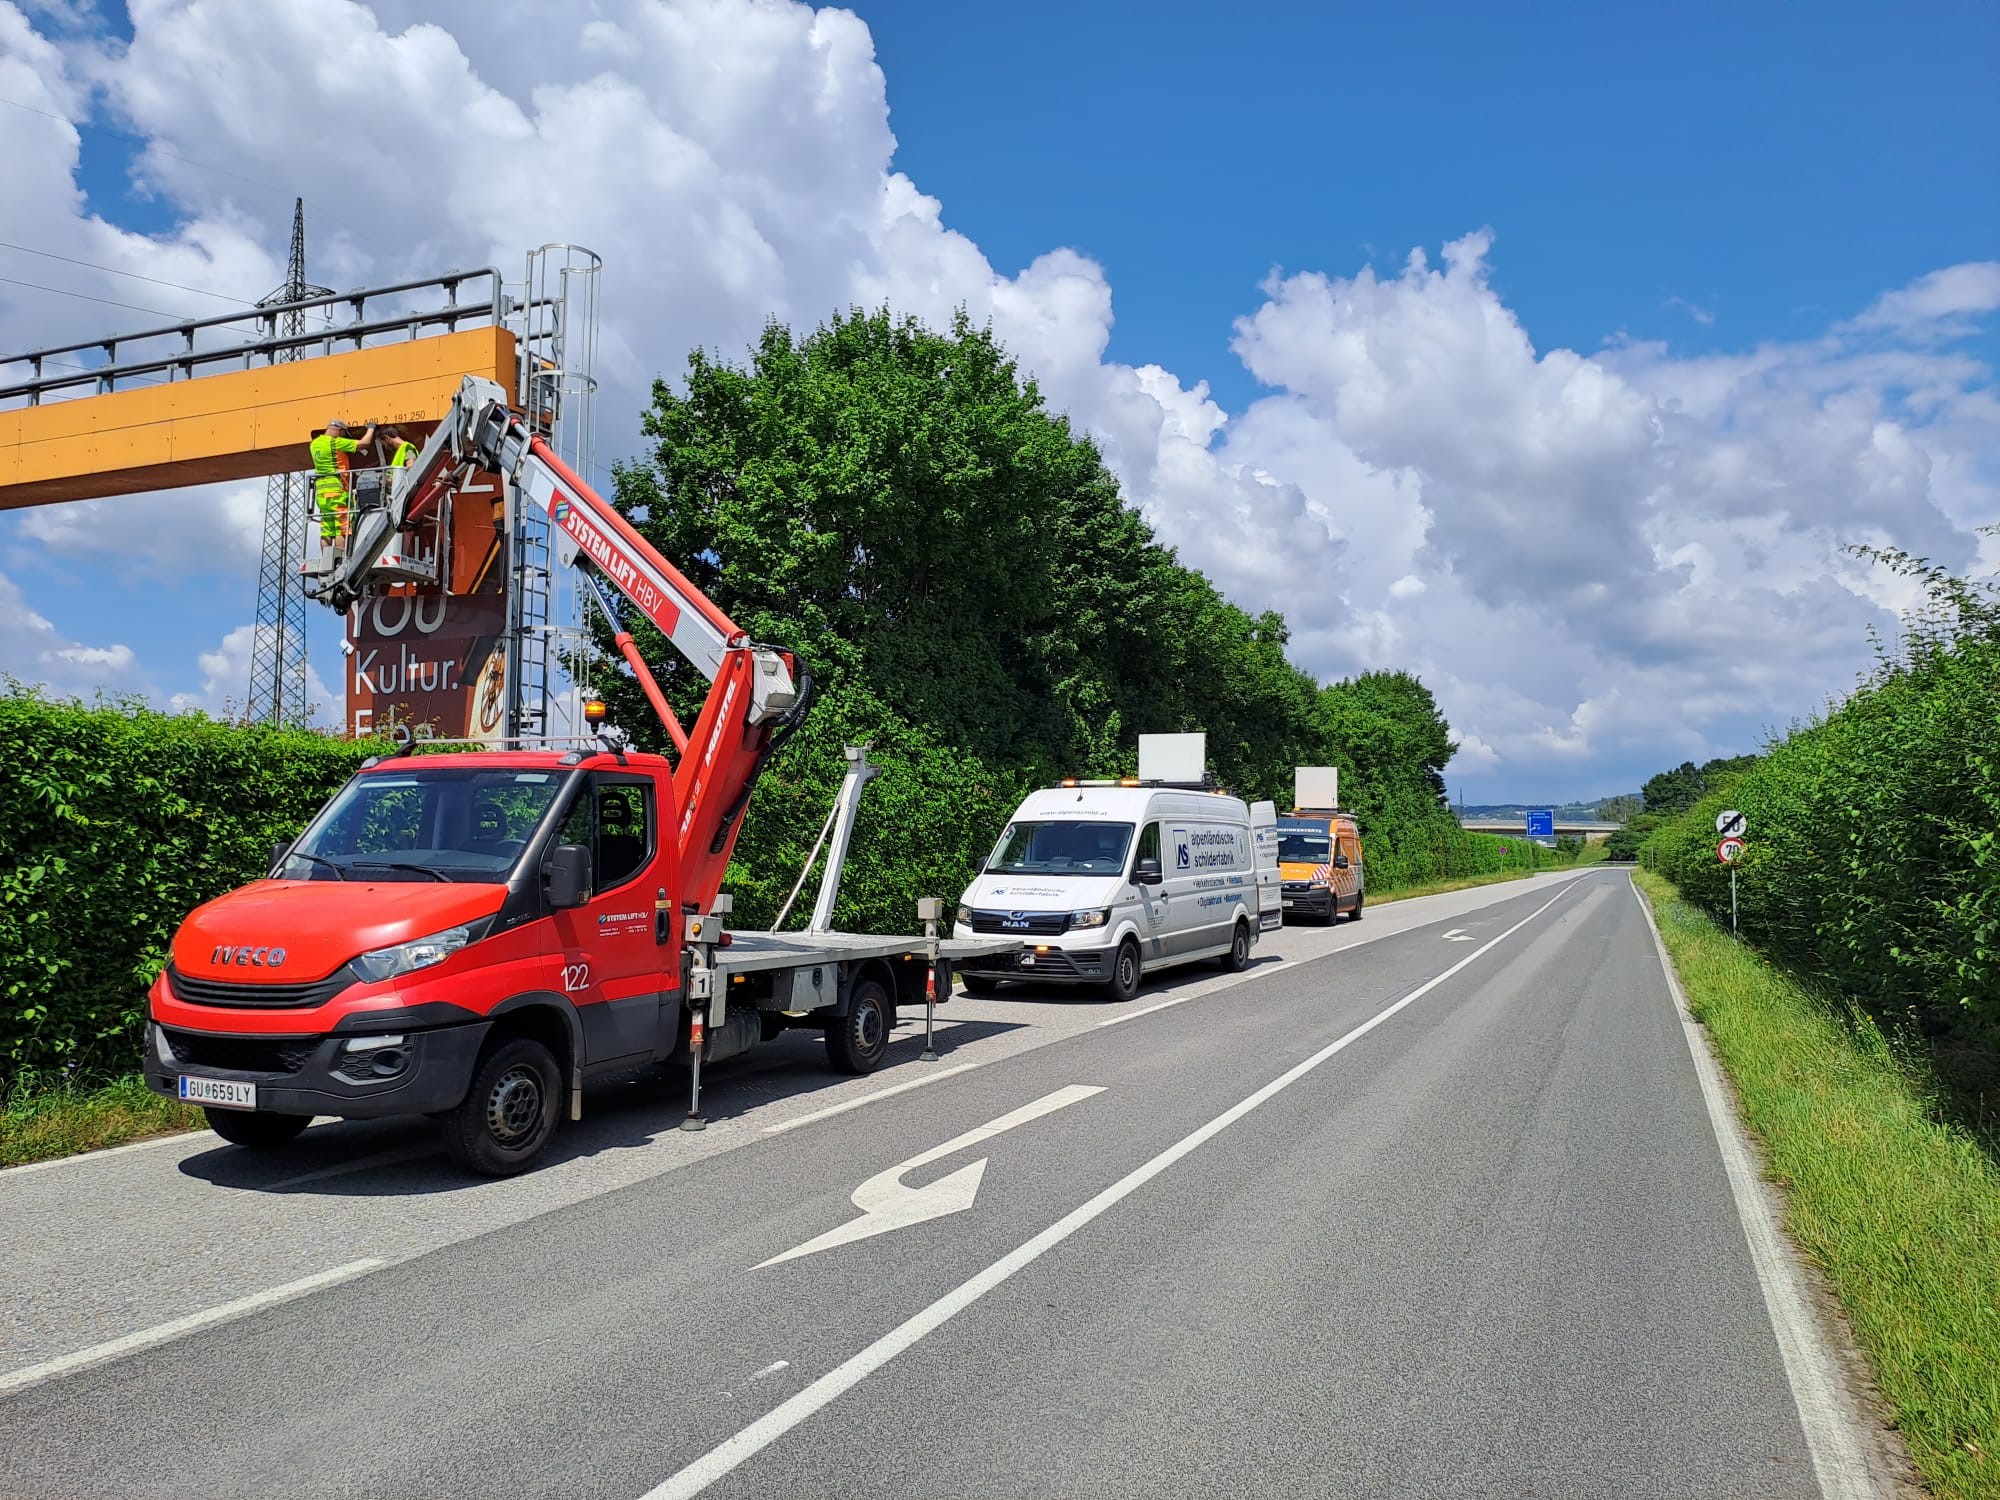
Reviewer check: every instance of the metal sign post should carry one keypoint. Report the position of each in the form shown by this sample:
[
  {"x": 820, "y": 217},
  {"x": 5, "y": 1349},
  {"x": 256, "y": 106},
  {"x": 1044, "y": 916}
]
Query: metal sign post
[{"x": 1732, "y": 825}]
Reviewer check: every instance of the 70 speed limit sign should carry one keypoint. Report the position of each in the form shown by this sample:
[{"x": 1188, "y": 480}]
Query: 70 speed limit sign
[{"x": 1729, "y": 851}]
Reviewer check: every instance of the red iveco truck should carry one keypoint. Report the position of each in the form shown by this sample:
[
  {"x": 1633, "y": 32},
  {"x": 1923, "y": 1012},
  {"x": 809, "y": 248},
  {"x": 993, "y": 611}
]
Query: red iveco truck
[{"x": 474, "y": 937}]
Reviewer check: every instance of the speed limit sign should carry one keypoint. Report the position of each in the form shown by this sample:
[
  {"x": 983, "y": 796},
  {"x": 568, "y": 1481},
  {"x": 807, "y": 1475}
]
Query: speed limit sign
[
  {"x": 1731, "y": 824},
  {"x": 1729, "y": 851}
]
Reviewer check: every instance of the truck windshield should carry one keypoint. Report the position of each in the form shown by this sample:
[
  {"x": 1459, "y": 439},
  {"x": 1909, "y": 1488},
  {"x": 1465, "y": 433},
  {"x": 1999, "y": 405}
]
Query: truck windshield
[
  {"x": 1061, "y": 849},
  {"x": 1307, "y": 845},
  {"x": 426, "y": 823}
]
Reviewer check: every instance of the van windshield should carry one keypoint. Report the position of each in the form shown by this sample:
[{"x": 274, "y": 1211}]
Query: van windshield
[
  {"x": 434, "y": 823},
  {"x": 1061, "y": 848},
  {"x": 1303, "y": 846}
]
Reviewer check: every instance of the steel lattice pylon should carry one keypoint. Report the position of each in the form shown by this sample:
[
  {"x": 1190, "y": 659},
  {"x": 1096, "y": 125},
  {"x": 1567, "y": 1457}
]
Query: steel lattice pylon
[{"x": 278, "y": 647}]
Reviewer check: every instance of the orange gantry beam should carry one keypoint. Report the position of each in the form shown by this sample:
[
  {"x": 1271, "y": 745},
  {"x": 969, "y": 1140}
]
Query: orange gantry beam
[{"x": 238, "y": 425}]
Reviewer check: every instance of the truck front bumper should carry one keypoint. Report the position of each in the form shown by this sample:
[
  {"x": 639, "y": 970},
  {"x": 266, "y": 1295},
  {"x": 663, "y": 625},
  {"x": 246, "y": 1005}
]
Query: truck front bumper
[
  {"x": 1314, "y": 901},
  {"x": 320, "y": 1075},
  {"x": 1050, "y": 966}
]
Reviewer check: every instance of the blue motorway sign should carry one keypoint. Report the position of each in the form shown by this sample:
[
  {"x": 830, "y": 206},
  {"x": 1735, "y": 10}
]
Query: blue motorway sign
[{"x": 1541, "y": 823}]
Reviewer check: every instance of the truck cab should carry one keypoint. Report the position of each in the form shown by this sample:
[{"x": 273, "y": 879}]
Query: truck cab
[{"x": 436, "y": 905}]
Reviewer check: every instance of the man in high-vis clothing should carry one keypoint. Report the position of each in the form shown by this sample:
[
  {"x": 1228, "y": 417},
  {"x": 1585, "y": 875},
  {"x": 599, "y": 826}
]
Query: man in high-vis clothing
[
  {"x": 401, "y": 452},
  {"x": 329, "y": 483}
]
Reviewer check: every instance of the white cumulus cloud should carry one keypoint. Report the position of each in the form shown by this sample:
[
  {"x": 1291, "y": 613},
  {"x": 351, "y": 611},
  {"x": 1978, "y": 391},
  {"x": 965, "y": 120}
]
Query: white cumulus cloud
[{"x": 1601, "y": 560}]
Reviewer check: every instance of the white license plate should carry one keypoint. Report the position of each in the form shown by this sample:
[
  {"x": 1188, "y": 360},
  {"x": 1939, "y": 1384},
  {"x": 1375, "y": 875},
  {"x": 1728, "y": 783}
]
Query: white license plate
[{"x": 219, "y": 1091}]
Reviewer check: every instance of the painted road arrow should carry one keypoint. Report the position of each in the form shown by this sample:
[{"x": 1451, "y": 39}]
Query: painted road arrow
[
  {"x": 1458, "y": 935},
  {"x": 886, "y": 1203}
]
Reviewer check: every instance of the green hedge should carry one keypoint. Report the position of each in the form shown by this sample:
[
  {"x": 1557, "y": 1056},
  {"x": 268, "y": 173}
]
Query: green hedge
[
  {"x": 119, "y": 821},
  {"x": 1873, "y": 859}
]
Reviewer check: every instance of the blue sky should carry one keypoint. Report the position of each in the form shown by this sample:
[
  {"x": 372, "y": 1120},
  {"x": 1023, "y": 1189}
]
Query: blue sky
[
  {"x": 1770, "y": 232},
  {"x": 1772, "y": 165}
]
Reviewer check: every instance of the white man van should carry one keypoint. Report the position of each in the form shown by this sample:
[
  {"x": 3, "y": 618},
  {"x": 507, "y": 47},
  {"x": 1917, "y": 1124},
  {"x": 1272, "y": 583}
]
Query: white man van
[{"x": 1104, "y": 882}]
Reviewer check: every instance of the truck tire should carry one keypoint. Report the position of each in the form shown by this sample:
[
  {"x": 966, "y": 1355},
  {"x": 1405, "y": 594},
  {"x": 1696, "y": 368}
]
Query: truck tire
[
  {"x": 1355, "y": 915},
  {"x": 1237, "y": 959},
  {"x": 1124, "y": 983},
  {"x": 979, "y": 984},
  {"x": 858, "y": 1041},
  {"x": 259, "y": 1130},
  {"x": 509, "y": 1113}
]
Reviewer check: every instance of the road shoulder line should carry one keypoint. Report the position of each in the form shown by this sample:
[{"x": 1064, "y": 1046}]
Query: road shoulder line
[
  {"x": 132, "y": 1343},
  {"x": 1827, "y": 1410}
]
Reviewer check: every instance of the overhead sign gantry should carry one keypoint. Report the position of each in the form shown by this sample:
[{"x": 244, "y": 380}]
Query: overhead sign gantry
[{"x": 238, "y": 396}]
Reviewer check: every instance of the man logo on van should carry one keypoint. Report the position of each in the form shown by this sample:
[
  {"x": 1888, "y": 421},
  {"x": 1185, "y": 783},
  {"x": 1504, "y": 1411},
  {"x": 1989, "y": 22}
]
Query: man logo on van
[{"x": 1017, "y": 920}]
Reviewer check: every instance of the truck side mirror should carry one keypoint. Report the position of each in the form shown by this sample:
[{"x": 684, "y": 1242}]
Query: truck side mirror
[
  {"x": 568, "y": 876},
  {"x": 1147, "y": 872},
  {"x": 278, "y": 852},
  {"x": 1340, "y": 861}
]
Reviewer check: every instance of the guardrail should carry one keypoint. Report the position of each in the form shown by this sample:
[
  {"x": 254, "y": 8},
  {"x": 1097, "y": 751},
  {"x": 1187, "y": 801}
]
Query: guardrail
[{"x": 266, "y": 344}]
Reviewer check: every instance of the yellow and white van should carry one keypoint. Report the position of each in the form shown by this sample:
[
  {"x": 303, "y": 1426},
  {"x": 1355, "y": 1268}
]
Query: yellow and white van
[{"x": 1319, "y": 861}]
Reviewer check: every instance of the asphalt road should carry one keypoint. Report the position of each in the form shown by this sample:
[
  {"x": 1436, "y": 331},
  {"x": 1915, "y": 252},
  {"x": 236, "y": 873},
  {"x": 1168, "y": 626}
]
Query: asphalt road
[{"x": 1425, "y": 1205}]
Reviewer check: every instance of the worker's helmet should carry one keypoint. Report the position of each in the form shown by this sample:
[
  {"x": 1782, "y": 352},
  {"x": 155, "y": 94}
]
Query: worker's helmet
[{"x": 336, "y": 424}]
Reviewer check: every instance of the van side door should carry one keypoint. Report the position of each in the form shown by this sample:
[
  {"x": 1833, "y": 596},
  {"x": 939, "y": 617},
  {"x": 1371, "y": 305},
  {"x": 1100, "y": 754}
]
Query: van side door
[
  {"x": 1346, "y": 884},
  {"x": 1155, "y": 910}
]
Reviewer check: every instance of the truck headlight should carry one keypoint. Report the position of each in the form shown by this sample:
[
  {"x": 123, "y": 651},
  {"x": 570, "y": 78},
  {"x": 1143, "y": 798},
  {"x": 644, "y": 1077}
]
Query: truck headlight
[
  {"x": 964, "y": 915},
  {"x": 1096, "y": 917},
  {"x": 405, "y": 958}
]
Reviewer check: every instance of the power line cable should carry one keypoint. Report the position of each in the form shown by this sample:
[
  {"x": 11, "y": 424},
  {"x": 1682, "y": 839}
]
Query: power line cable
[
  {"x": 35, "y": 286},
  {"x": 151, "y": 145},
  {"x": 114, "y": 271}
]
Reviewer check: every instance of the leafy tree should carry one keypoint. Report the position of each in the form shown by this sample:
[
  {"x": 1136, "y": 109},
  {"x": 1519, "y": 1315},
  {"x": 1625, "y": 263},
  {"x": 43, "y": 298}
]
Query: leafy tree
[
  {"x": 973, "y": 595},
  {"x": 1620, "y": 809}
]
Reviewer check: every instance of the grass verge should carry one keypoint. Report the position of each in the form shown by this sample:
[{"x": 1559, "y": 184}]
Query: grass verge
[
  {"x": 1900, "y": 1210},
  {"x": 35, "y": 1126}
]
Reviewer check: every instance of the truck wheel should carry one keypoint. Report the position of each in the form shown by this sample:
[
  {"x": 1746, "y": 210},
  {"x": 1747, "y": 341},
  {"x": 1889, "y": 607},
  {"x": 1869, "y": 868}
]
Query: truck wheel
[
  {"x": 979, "y": 984},
  {"x": 1124, "y": 983},
  {"x": 859, "y": 1040},
  {"x": 258, "y": 1130},
  {"x": 1355, "y": 915},
  {"x": 510, "y": 1111},
  {"x": 1237, "y": 959}
]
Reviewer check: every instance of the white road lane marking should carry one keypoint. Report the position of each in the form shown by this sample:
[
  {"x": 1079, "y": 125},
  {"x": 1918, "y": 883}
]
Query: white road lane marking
[
  {"x": 1255, "y": 971},
  {"x": 1828, "y": 1417},
  {"x": 774, "y": 1424},
  {"x": 1458, "y": 935},
  {"x": 886, "y": 1203},
  {"x": 186, "y": 1137},
  {"x": 394, "y": 1156},
  {"x": 132, "y": 1343},
  {"x": 840, "y": 1109}
]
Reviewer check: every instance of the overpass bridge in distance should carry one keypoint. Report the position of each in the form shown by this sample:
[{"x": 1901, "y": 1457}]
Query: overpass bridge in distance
[{"x": 1588, "y": 831}]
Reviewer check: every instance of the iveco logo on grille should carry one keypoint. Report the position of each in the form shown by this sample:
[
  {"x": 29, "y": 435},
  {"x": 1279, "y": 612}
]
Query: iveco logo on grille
[{"x": 246, "y": 957}]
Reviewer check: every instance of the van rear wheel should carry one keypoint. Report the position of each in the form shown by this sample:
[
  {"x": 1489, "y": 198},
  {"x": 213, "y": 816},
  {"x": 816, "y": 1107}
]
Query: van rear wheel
[
  {"x": 1237, "y": 959},
  {"x": 1355, "y": 915}
]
